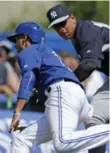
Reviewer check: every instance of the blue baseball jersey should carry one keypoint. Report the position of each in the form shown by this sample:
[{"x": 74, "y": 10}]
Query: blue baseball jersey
[{"x": 41, "y": 67}]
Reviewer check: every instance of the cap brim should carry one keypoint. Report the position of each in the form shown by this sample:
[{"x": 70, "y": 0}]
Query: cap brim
[
  {"x": 12, "y": 37},
  {"x": 59, "y": 20}
]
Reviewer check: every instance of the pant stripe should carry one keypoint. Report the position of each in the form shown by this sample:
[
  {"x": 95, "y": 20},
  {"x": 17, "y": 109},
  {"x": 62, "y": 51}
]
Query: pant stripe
[{"x": 60, "y": 124}]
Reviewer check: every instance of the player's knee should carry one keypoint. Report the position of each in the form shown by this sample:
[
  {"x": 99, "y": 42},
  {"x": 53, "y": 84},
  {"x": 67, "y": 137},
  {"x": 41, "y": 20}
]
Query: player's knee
[
  {"x": 58, "y": 146},
  {"x": 62, "y": 146}
]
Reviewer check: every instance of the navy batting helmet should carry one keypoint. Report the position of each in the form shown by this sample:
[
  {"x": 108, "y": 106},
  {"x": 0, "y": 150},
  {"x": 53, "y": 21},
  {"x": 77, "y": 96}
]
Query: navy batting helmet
[{"x": 34, "y": 31}]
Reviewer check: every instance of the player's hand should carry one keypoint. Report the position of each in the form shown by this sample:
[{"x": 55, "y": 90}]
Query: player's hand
[{"x": 15, "y": 122}]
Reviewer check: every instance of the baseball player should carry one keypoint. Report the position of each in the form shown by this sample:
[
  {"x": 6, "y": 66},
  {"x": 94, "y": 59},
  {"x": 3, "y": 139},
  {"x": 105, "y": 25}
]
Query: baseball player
[
  {"x": 91, "y": 40},
  {"x": 66, "y": 104}
]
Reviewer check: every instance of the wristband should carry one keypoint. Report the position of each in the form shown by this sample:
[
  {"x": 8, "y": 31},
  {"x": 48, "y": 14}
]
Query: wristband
[{"x": 17, "y": 113}]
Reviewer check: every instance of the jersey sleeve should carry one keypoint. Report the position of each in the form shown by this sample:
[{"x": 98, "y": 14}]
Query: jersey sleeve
[
  {"x": 28, "y": 61},
  {"x": 91, "y": 44}
]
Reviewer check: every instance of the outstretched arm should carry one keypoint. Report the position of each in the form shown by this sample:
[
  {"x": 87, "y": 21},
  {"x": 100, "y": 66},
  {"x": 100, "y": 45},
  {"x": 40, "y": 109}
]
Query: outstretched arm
[{"x": 25, "y": 91}]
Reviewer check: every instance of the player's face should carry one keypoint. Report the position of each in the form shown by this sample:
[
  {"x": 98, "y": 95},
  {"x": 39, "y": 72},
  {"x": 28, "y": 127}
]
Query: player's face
[
  {"x": 20, "y": 43},
  {"x": 67, "y": 28}
]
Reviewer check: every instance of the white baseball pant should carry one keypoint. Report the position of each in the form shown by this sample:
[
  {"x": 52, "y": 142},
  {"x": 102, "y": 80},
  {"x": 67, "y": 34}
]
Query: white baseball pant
[{"x": 66, "y": 107}]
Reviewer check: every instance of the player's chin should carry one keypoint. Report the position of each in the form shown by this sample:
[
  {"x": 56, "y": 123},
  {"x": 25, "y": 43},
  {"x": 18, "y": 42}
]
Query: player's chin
[{"x": 67, "y": 37}]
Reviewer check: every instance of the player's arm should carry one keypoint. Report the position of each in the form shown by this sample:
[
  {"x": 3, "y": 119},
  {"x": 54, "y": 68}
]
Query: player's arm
[
  {"x": 85, "y": 68},
  {"x": 25, "y": 91},
  {"x": 27, "y": 65},
  {"x": 91, "y": 55}
]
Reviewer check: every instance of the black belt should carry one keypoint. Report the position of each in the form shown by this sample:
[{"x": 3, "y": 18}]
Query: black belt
[{"x": 66, "y": 80}]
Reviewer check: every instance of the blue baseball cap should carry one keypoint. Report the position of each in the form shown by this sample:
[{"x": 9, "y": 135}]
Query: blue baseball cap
[
  {"x": 58, "y": 14},
  {"x": 34, "y": 30}
]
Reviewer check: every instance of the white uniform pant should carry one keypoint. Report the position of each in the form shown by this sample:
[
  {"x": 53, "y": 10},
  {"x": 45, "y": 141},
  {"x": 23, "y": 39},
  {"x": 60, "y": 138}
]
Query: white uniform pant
[{"x": 66, "y": 107}]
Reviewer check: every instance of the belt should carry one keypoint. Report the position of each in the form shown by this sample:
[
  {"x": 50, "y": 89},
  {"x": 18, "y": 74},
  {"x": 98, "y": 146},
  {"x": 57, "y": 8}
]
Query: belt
[{"x": 66, "y": 80}]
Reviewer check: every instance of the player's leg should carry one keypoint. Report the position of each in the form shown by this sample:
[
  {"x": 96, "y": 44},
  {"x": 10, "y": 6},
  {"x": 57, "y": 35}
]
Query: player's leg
[
  {"x": 33, "y": 134},
  {"x": 100, "y": 102},
  {"x": 67, "y": 104}
]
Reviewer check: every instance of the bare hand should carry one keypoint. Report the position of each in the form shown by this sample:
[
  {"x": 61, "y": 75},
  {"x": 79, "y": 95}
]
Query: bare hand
[
  {"x": 16, "y": 117},
  {"x": 15, "y": 122}
]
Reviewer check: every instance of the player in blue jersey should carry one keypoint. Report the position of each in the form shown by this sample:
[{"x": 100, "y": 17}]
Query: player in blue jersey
[{"x": 66, "y": 104}]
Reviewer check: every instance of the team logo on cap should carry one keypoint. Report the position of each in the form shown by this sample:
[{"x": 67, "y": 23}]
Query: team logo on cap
[{"x": 53, "y": 14}]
